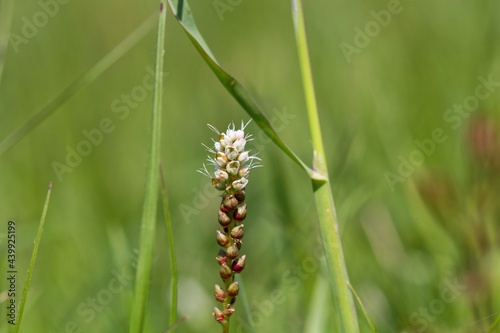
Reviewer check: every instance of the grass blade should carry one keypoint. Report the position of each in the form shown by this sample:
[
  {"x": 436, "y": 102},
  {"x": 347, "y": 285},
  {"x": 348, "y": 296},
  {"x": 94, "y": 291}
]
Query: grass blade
[
  {"x": 148, "y": 223},
  {"x": 33, "y": 260},
  {"x": 323, "y": 197},
  {"x": 246, "y": 306},
  {"x": 78, "y": 85},
  {"x": 494, "y": 325},
  {"x": 183, "y": 13},
  {"x": 6, "y": 10},
  {"x": 363, "y": 309},
  {"x": 173, "y": 261}
]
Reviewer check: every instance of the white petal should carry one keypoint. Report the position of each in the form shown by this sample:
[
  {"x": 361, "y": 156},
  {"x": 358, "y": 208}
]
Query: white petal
[
  {"x": 240, "y": 184},
  {"x": 233, "y": 167},
  {"x": 240, "y": 144},
  {"x": 231, "y": 153},
  {"x": 243, "y": 157}
]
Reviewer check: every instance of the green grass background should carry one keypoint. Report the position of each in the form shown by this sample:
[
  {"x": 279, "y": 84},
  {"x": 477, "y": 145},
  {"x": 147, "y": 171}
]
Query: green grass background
[{"x": 396, "y": 90}]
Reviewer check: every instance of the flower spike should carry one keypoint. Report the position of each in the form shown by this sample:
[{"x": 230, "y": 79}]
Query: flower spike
[{"x": 232, "y": 164}]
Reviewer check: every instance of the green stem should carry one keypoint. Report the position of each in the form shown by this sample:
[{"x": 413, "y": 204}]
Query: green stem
[
  {"x": 33, "y": 260},
  {"x": 358, "y": 299},
  {"x": 322, "y": 190},
  {"x": 6, "y": 10},
  {"x": 495, "y": 324},
  {"x": 148, "y": 224},
  {"x": 173, "y": 260}
]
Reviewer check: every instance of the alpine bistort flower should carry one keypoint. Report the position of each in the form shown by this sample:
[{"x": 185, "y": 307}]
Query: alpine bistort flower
[{"x": 232, "y": 164}]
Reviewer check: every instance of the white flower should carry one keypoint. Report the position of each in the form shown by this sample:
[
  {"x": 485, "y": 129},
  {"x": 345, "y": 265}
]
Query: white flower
[
  {"x": 239, "y": 144},
  {"x": 243, "y": 157},
  {"x": 232, "y": 163},
  {"x": 231, "y": 153},
  {"x": 233, "y": 167},
  {"x": 240, "y": 184}
]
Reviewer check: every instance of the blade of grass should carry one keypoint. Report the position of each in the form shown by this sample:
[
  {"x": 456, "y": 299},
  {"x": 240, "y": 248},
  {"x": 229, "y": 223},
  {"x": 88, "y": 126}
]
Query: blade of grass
[
  {"x": 318, "y": 311},
  {"x": 363, "y": 309},
  {"x": 6, "y": 10},
  {"x": 242, "y": 295},
  {"x": 323, "y": 197},
  {"x": 148, "y": 223},
  {"x": 78, "y": 85},
  {"x": 33, "y": 260},
  {"x": 171, "y": 245},
  {"x": 171, "y": 328},
  {"x": 183, "y": 13},
  {"x": 494, "y": 325}
]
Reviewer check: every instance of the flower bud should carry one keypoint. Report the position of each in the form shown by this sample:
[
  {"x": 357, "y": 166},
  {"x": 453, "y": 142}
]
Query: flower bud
[
  {"x": 218, "y": 315},
  {"x": 230, "y": 203},
  {"x": 225, "y": 272},
  {"x": 228, "y": 312},
  {"x": 231, "y": 153},
  {"x": 218, "y": 185},
  {"x": 240, "y": 196},
  {"x": 221, "y": 257},
  {"x": 244, "y": 172},
  {"x": 222, "y": 239},
  {"x": 237, "y": 232},
  {"x": 219, "y": 294},
  {"x": 240, "y": 213},
  {"x": 222, "y": 140},
  {"x": 240, "y": 184},
  {"x": 243, "y": 157},
  {"x": 239, "y": 264},
  {"x": 232, "y": 251},
  {"x": 221, "y": 159},
  {"x": 224, "y": 220},
  {"x": 239, "y": 144},
  {"x": 233, "y": 167},
  {"x": 233, "y": 289}
]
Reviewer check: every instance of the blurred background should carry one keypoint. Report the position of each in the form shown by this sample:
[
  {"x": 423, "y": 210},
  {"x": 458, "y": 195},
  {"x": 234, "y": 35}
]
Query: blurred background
[{"x": 409, "y": 99}]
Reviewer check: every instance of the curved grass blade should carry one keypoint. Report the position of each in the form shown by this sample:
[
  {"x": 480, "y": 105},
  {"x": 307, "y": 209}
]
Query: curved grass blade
[
  {"x": 79, "y": 84},
  {"x": 171, "y": 245},
  {"x": 148, "y": 223},
  {"x": 171, "y": 328},
  {"x": 246, "y": 306},
  {"x": 363, "y": 309},
  {"x": 183, "y": 13},
  {"x": 323, "y": 197},
  {"x": 6, "y": 10},
  {"x": 494, "y": 325},
  {"x": 33, "y": 260}
]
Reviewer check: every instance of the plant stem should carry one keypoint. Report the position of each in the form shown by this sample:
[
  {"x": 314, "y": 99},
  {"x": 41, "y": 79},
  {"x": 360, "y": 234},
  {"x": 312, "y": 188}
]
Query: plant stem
[
  {"x": 322, "y": 191},
  {"x": 171, "y": 245},
  {"x": 148, "y": 223},
  {"x": 6, "y": 10},
  {"x": 33, "y": 260},
  {"x": 227, "y": 283}
]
